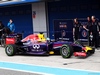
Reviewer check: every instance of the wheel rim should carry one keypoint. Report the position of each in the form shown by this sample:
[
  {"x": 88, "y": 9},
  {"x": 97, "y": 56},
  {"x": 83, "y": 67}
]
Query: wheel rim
[
  {"x": 65, "y": 51},
  {"x": 9, "y": 50}
]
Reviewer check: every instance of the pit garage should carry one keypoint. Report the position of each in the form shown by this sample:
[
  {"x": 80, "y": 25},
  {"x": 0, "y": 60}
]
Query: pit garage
[
  {"x": 62, "y": 12},
  {"x": 51, "y": 17}
]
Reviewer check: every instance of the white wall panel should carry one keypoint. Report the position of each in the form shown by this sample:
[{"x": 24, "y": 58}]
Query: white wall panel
[{"x": 39, "y": 22}]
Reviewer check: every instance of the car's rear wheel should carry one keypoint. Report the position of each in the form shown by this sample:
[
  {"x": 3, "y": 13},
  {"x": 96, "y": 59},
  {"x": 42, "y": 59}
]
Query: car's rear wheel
[
  {"x": 66, "y": 51},
  {"x": 10, "y": 50}
]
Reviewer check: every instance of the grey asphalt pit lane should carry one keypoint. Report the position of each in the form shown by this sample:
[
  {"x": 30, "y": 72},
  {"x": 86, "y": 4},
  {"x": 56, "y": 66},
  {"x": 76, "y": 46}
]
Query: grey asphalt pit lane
[{"x": 14, "y": 72}]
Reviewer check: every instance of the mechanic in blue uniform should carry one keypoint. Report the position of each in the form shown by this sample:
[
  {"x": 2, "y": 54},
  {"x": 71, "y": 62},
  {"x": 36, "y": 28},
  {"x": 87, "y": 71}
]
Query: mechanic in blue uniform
[
  {"x": 11, "y": 26},
  {"x": 95, "y": 31},
  {"x": 76, "y": 29}
]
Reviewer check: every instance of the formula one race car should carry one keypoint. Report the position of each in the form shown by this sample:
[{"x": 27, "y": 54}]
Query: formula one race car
[{"x": 38, "y": 45}]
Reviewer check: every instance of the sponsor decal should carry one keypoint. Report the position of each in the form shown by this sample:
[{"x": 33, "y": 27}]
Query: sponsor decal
[
  {"x": 62, "y": 24},
  {"x": 36, "y": 46},
  {"x": 84, "y": 33},
  {"x": 10, "y": 40}
]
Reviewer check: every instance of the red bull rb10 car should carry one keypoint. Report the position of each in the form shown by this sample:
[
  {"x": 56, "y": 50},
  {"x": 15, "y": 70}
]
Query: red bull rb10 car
[{"x": 38, "y": 45}]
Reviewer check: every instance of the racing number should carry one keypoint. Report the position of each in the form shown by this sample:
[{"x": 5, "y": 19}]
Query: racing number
[{"x": 36, "y": 46}]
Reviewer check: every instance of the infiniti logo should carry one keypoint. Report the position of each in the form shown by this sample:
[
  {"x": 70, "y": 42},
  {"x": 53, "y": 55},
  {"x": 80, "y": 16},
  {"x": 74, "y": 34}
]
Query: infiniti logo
[{"x": 36, "y": 46}]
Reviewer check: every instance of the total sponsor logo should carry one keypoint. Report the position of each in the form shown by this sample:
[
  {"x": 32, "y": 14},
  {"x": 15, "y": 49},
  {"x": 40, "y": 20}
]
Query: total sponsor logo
[{"x": 12, "y": 40}]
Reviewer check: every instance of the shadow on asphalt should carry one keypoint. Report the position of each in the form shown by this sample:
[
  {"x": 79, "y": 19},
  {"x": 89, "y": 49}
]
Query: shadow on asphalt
[{"x": 36, "y": 55}]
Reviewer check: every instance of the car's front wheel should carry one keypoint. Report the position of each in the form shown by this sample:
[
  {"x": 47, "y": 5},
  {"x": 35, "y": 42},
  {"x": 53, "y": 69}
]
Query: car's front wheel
[
  {"x": 10, "y": 50},
  {"x": 66, "y": 51}
]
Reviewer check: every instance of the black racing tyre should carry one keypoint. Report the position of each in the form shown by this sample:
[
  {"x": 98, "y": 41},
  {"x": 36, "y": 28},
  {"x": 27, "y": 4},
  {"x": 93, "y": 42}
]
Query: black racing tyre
[
  {"x": 66, "y": 51},
  {"x": 10, "y": 50},
  {"x": 78, "y": 42}
]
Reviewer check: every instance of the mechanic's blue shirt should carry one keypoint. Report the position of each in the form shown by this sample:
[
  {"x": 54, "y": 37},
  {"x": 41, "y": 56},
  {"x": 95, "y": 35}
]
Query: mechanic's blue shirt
[{"x": 11, "y": 26}]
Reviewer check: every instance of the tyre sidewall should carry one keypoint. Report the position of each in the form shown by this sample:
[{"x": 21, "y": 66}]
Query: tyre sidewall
[
  {"x": 69, "y": 51},
  {"x": 13, "y": 50}
]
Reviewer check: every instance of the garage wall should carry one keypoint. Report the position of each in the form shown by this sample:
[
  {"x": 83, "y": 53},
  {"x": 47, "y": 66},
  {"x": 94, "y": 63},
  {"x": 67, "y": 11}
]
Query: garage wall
[
  {"x": 39, "y": 17},
  {"x": 21, "y": 15},
  {"x": 67, "y": 9}
]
